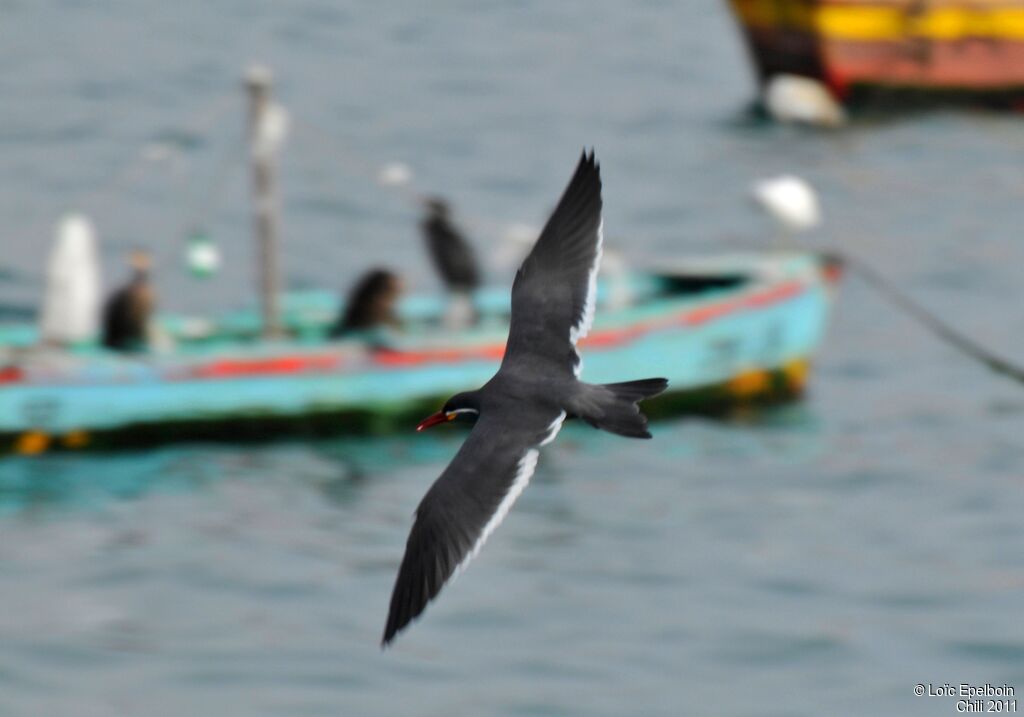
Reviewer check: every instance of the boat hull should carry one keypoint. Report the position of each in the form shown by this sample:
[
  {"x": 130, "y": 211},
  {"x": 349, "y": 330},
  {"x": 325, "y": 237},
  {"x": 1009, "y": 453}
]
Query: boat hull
[
  {"x": 723, "y": 348},
  {"x": 878, "y": 49}
]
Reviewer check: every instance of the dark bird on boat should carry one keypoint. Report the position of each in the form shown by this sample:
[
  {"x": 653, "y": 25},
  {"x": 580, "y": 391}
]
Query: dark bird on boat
[
  {"x": 451, "y": 253},
  {"x": 523, "y": 406},
  {"x": 127, "y": 312},
  {"x": 454, "y": 260},
  {"x": 371, "y": 303}
]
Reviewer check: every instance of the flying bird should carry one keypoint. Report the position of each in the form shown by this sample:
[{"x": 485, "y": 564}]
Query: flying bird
[{"x": 524, "y": 404}]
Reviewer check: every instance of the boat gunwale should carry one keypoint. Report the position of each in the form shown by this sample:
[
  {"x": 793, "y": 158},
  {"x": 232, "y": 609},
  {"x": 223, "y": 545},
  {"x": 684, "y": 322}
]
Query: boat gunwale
[{"x": 297, "y": 358}]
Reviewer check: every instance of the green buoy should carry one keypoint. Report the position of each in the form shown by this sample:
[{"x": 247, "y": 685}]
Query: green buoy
[{"x": 202, "y": 256}]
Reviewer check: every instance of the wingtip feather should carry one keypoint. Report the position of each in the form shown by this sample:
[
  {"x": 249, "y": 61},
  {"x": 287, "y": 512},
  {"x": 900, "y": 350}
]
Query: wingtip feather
[
  {"x": 389, "y": 635},
  {"x": 589, "y": 160}
]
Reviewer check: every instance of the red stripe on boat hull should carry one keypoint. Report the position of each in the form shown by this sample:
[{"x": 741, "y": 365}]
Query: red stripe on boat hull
[
  {"x": 608, "y": 337},
  {"x": 299, "y": 364},
  {"x": 278, "y": 365}
]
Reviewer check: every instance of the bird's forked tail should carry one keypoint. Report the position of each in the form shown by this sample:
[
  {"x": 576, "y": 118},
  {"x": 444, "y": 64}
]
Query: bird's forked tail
[{"x": 613, "y": 407}]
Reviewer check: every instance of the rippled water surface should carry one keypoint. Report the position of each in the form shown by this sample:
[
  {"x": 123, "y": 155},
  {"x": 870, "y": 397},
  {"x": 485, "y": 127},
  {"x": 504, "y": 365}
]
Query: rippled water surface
[{"x": 819, "y": 559}]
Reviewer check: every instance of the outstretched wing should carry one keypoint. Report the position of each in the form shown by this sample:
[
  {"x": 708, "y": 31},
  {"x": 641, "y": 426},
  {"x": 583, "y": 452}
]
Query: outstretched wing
[
  {"x": 554, "y": 294},
  {"x": 465, "y": 505}
]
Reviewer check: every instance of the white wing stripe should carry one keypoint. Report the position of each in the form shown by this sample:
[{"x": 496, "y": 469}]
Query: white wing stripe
[
  {"x": 524, "y": 471},
  {"x": 527, "y": 465},
  {"x": 554, "y": 428},
  {"x": 586, "y": 320}
]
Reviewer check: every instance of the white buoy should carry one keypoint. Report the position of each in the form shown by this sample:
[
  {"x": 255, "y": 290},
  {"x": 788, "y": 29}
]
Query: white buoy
[
  {"x": 202, "y": 256},
  {"x": 791, "y": 200},
  {"x": 71, "y": 303},
  {"x": 801, "y": 100},
  {"x": 394, "y": 174}
]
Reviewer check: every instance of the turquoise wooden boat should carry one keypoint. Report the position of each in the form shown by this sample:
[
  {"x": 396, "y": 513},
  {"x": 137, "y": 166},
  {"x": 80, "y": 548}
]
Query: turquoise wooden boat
[{"x": 726, "y": 330}]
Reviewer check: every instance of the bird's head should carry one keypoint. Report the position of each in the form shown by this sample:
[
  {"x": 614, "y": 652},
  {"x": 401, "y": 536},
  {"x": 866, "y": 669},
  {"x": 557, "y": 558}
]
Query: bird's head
[
  {"x": 464, "y": 406},
  {"x": 437, "y": 206}
]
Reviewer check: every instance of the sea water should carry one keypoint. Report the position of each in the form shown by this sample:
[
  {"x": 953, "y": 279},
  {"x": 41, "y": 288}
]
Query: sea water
[{"x": 824, "y": 558}]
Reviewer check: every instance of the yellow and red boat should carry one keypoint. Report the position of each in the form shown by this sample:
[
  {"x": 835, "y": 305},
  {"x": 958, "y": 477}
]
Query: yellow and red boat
[{"x": 856, "y": 48}]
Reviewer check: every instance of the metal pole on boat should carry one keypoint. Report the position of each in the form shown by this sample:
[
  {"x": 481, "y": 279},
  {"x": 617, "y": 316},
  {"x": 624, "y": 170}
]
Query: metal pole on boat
[{"x": 258, "y": 80}]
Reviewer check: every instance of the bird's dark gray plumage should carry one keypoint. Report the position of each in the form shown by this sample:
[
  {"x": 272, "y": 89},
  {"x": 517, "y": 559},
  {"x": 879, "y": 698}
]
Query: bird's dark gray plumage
[
  {"x": 128, "y": 310},
  {"x": 522, "y": 407},
  {"x": 451, "y": 253}
]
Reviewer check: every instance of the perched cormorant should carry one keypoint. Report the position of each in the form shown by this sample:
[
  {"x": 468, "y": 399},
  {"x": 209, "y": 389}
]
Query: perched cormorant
[
  {"x": 370, "y": 304},
  {"x": 454, "y": 260},
  {"x": 452, "y": 255},
  {"x": 127, "y": 311}
]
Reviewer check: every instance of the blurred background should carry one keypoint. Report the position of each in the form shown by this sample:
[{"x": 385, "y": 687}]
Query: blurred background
[{"x": 825, "y": 556}]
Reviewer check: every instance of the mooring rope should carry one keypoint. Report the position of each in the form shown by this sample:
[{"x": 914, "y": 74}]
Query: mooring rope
[
  {"x": 154, "y": 152},
  {"x": 207, "y": 199},
  {"x": 888, "y": 289},
  {"x": 926, "y": 318}
]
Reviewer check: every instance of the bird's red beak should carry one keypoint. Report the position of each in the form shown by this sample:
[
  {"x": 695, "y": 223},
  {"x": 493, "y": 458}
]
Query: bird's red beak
[{"x": 433, "y": 420}]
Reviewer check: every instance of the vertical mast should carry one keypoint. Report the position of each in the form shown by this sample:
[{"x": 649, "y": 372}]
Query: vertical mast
[{"x": 257, "y": 84}]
